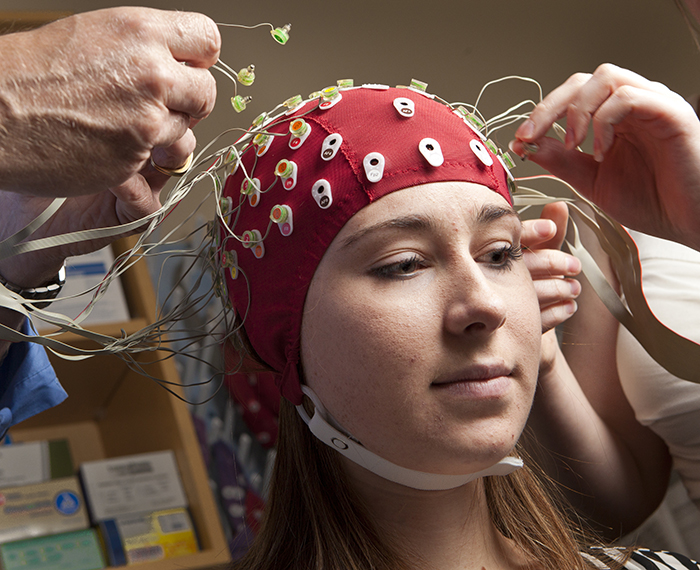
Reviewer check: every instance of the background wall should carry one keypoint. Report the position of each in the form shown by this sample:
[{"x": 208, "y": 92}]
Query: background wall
[{"x": 455, "y": 46}]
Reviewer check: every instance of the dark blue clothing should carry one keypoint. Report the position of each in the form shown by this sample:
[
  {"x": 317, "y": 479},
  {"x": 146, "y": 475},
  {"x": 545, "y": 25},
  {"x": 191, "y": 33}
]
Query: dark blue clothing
[{"x": 28, "y": 383}]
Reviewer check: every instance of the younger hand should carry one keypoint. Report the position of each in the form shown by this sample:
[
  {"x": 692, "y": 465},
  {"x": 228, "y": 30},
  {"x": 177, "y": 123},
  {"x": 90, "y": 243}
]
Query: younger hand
[
  {"x": 551, "y": 269},
  {"x": 645, "y": 170}
]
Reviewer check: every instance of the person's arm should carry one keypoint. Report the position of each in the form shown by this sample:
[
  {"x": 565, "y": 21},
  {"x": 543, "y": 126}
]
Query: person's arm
[
  {"x": 84, "y": 103},
  {"x": 612, "y": 469},
  {"x": 28, "y": 383},
  {"x": 645, "y": 170}
]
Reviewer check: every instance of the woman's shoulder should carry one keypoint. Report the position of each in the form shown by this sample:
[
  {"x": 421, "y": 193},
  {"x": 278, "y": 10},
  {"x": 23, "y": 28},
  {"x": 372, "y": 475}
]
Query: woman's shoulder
[{"x": 639, "y": 559}]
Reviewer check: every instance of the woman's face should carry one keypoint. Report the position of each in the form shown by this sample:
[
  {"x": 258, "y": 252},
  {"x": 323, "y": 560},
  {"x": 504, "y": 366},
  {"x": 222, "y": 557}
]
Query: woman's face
[{"x": 421, "y": 329}]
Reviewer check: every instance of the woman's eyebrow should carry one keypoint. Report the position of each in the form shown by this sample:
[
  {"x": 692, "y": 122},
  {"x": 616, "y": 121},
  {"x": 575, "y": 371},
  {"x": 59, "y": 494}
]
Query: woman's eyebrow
[
  {"x": 489, "y": 213},
  {"x": 413, "y": 223},
  {"x": 493, "y": 212}
]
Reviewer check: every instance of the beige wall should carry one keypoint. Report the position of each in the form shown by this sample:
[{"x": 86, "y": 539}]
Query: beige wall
[{"x": 454, "y": 46}]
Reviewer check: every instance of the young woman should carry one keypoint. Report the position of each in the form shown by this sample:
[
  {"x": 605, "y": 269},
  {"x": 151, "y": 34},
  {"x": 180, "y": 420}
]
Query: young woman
[{"x": 375, "y": 261}]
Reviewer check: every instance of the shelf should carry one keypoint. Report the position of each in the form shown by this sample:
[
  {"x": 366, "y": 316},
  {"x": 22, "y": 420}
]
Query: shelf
[{"x": 113, "y": 410}]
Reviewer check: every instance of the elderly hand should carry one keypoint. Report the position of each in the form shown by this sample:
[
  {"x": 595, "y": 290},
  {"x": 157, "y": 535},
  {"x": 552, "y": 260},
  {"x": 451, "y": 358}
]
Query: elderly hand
[
  {"x": 645, "y": 170},
  {"x": 85, "y": 118},
  {"x": 128, "y": 202},
  {"x": 85, "y": 100}
]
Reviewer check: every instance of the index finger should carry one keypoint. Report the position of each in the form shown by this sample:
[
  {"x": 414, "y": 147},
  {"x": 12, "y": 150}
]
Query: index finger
[
  {"x": 596, "y": 92},
  {"x": 557, "y": 212},
  {"x": 552, "y": 108},
  {"x": 193, "y": 38},
  {"x": 536, "y": 232},
  {"x": 549, "y": 230}
]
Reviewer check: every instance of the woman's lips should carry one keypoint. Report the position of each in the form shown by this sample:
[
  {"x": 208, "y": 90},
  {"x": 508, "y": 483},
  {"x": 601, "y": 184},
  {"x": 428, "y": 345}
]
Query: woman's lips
[
  {"x": 477, "y": 389},
  {"x": 485, "y": 382}
]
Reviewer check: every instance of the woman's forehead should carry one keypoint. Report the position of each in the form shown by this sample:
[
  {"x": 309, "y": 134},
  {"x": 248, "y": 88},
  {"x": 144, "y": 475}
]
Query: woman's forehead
[{"x": 435, "y": 204}]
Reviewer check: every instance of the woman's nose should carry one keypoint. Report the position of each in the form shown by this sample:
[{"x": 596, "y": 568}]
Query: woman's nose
[{"x": 475, "y": 304}]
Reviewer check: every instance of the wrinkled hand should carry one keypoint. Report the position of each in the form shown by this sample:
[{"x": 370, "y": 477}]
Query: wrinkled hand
[
  {"x": 85, "y": 100},
  {"x": 645, "y": 171},
  {"x": 85, "y": 118},
  {"x": 136, "y": 198},
  {"x": 550, "y": 268}
]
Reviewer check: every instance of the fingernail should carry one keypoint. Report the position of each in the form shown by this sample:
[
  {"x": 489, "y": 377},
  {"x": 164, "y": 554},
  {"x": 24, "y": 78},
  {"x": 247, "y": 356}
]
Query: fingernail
[
  {"x": 530, "y": 148},
  {"x": 526, "y": 130},
  {"x": 575, "y": 287},
  {"x": 512, "y": 146},
  {"x": 571, "y": 307},
  {"x": 545, "y": 228},
  {"x": 574, "y": 266},
  {"x": 597, "y": 154},
  {"x": 569, "y": 139}
]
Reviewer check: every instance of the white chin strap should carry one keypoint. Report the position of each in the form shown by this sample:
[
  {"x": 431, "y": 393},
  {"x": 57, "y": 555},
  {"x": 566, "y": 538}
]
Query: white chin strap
[{"x": 356, "y": 452}]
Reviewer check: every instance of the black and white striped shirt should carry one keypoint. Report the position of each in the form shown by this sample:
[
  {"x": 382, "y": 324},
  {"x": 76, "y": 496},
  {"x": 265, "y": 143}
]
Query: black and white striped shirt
[{"x": 640, "y": 559}]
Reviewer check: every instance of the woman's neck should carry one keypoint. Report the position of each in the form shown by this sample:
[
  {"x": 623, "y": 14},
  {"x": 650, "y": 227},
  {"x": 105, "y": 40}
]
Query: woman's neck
[{"x": 445, "y": 530}]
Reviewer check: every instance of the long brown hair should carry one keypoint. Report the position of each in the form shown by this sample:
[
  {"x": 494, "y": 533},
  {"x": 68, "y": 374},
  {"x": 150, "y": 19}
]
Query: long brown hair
[{"x": 314, "y": 520}]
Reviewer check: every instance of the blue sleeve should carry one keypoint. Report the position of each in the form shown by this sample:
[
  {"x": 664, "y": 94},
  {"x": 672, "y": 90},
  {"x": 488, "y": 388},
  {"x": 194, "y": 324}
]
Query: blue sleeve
[{"x": 28, "y": 383}]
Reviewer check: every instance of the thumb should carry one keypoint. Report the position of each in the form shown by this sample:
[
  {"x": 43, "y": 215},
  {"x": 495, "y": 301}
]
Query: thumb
[
  {"x": 135, "y": 199},
  {"x": 572, "y": 166}
]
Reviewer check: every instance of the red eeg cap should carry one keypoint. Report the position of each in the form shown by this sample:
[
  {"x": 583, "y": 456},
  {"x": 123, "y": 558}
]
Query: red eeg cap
[{"x": 393, "y": 122}]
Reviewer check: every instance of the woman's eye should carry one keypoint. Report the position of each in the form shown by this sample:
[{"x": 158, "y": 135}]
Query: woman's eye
[
  {"x": 400, "y": 269},
  {"x": 503, "y": 257}
]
